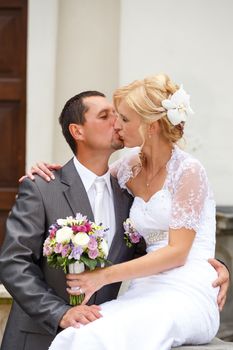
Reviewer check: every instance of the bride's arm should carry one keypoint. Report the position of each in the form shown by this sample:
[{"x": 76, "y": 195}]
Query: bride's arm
[
  {"x": 171, "y": 256},
  {"x": 45, "y": 170}
]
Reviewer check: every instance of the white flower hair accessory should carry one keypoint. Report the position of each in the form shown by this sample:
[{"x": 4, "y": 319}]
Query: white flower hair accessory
[{"x": 178, "y": 106}]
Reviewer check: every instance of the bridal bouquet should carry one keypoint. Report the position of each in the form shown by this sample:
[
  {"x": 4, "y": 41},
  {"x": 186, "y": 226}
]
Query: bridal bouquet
[
  {"x": 76, "y": 243},
  {"x": 132, "y": 236}
]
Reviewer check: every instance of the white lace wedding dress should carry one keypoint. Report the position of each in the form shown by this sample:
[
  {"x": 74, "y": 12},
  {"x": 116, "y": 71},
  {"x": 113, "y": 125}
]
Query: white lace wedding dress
[{"x": 173, "y": 307}]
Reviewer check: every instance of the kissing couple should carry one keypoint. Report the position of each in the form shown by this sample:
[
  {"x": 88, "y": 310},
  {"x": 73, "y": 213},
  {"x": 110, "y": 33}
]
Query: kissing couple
[{"x": 175, "y": 293}]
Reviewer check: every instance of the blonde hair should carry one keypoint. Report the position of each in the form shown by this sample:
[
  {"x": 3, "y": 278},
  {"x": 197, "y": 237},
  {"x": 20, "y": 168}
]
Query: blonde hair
[{"x": 145, "y": 97}]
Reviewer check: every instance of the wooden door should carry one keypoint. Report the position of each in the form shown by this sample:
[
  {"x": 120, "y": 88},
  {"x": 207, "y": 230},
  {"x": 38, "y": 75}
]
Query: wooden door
[{"x": 13, "y": 38}]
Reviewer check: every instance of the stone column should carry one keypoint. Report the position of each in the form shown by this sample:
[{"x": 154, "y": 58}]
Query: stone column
[
  {"x": 224, "y": 252},
  {"x": 5, "y": 305}
]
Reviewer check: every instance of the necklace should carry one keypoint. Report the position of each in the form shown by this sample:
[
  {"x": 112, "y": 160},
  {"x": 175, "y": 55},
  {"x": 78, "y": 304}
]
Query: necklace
[
  {"x": 143, "y": 164},
  {"x": 148, "y": 182}
]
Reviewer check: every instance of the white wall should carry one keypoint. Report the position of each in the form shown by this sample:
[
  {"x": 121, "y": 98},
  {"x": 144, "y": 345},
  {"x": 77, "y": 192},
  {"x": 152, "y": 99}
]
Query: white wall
[
  {"x": 72, "y": 46},
  {"x": 192, "y": 42},
  {"x": 87, "y": 55},
  {"x": 41, "y": 64},
  {"x": 75, "y": 45}
]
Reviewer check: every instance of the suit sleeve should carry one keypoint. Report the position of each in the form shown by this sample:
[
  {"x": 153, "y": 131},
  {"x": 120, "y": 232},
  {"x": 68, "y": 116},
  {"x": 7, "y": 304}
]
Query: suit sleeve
[
  {"x": 20, "y": 258},
  {"x": 140, "y": 249},
  {"x": 222, "y": 262}
]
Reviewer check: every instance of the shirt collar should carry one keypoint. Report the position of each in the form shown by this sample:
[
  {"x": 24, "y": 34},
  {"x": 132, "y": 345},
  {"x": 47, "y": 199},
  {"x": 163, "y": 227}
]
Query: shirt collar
[{"x": 88, "y": 177}]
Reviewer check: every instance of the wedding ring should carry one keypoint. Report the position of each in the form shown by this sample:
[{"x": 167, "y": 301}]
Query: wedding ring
[
  {"x": 75, "y": 289},
  {"x": 81, "y": 291}
]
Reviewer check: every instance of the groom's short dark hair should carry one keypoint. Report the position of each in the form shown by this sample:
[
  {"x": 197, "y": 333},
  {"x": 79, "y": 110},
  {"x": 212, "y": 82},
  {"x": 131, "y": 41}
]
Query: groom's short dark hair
[{"x": 73, "y": 112}]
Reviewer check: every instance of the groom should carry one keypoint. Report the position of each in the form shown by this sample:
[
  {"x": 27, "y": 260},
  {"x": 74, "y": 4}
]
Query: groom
[{"x": 40, "y": 308}]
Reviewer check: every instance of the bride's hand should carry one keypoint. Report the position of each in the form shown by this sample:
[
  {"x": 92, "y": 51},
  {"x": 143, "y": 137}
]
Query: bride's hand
[
  {"x": 86, "y": 283},
  {"x": 43, "y": 170}
]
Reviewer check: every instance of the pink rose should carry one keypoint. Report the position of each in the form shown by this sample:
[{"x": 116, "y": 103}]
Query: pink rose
[
  {"x": 93, "y": 254},
  {"x": 92, "y": 244}
]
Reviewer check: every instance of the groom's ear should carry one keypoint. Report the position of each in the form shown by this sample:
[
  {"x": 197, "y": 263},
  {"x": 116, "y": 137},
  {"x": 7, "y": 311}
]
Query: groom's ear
[{"x": 76, "y": 131}]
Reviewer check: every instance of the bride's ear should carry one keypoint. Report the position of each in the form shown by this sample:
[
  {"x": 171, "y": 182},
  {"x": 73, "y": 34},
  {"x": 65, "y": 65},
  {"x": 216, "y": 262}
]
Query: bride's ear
[
  {"x": 76, "y": 131},
  {"x": 154, "y": 128}
]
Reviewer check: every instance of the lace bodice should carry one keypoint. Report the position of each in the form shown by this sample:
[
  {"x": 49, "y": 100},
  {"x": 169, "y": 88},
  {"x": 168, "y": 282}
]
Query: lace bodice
[{"x": 185, "y": 200}]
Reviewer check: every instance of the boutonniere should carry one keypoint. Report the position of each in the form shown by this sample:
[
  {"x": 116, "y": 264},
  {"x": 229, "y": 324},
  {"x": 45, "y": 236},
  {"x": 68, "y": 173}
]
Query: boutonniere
[{"x": 131, "y": 235}]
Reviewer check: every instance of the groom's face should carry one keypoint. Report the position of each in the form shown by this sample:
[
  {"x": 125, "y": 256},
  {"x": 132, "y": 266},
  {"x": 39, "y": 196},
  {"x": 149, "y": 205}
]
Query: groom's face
[{"x": 98, "y": 129}]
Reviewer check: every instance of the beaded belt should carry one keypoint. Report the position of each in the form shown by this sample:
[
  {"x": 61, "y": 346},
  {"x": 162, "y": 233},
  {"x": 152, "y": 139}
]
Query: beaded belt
[{"x": 155, "y": 236}]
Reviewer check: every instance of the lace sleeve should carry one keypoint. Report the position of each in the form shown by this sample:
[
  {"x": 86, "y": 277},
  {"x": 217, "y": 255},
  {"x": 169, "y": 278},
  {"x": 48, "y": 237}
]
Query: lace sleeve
[
  {"x": 115, "y": 166},
  {"x": 189, "y": 197},
  {"x": 122, "y": 168}
]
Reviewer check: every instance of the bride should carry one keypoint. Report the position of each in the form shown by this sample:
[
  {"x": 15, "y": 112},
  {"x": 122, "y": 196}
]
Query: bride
[{"x": 170, "y": 300}]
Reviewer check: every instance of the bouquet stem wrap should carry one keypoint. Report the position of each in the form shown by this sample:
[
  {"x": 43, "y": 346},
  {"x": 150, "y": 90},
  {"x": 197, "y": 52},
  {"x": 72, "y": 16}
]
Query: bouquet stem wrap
[{"x": 77, "y": 267}]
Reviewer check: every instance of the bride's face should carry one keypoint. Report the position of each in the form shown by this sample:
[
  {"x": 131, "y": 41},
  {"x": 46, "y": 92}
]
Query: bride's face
[{"x": 127, "y": 125}]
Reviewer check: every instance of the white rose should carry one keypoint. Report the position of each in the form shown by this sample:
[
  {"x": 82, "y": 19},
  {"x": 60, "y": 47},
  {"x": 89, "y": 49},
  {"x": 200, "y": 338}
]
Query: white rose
[
  {"x": 64, "y": 235},
  {"x": 104, "y": 247},
  {"x": 81, "y": 239}
]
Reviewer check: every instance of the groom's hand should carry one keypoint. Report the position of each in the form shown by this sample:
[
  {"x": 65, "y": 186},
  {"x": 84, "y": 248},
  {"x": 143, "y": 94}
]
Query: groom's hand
[
  {"x": 222, "y": 281},
  {"x": 81, "y": 314}
]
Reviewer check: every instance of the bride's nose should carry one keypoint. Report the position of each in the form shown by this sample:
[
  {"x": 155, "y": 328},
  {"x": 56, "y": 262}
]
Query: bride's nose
[{"x": 117, "y": 124}]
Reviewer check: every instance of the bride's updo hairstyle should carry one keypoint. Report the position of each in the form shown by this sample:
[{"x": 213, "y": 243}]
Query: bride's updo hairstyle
[{"x": 145, "y": 98}]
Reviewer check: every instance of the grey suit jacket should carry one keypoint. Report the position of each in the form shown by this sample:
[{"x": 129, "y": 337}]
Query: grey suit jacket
[{"x": 39, "y": 292}]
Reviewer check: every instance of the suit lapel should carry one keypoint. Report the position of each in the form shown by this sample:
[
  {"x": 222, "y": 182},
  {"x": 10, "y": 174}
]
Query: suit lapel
[
  {"x": 74, "y": 191},
  {"x": 121, "y": 207}
]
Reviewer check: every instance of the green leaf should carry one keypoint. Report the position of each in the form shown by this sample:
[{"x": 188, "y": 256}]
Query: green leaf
[
  {"x": 90, "y": 263},
  {"x": 128, "y": 243},
  {"x": 104, "y": 261}
]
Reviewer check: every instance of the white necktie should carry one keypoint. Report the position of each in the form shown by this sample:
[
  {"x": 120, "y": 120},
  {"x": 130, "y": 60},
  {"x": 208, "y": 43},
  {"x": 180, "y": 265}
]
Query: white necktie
[{"x": 99, "y": 198}]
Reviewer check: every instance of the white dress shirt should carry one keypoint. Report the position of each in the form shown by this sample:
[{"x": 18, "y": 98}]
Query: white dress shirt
[{"x": 88, "y": 179}]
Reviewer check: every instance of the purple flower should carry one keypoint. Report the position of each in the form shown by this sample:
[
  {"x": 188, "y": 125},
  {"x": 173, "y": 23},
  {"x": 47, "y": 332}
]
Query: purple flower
[
  {"x": 52, "y": 231},
  {"x": 47, "y": 250},
  {"x": 76, "y": 253},
  {"x": 58, "y": 248},
  {"x": 65, "y": 250},
  {"x": 80, "y": 217},
  {"x": 131, "y": 234},
  {"x": 92, "y": 244},
  {"x": 135, "y": 237},
  {"x": 93, "y": 254},
  {"x": 52, "y": 227},
  {"x": 99, "y": 233}
]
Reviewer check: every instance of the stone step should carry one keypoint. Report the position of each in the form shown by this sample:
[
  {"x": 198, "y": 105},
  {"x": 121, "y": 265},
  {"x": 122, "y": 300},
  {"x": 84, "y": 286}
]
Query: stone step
[{"x": 216, "y": 344}]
